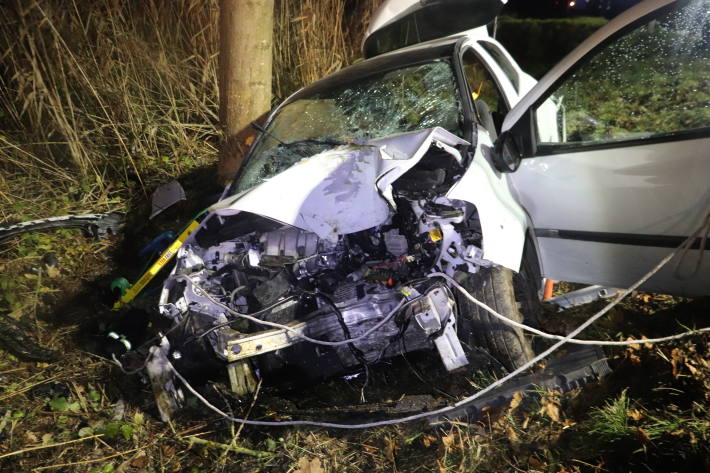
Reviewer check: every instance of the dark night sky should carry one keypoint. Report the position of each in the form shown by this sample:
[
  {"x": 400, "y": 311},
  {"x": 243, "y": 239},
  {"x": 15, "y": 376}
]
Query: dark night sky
[{"x": 558, "y": 8}]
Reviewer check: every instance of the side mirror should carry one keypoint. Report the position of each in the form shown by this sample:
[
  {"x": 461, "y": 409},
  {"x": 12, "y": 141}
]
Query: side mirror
[{"x": 506, "y": 153}]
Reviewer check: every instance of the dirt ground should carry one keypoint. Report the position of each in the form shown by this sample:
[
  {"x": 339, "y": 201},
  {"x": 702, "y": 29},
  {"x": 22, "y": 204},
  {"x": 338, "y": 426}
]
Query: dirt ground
[{"x": 77, "y": 412}]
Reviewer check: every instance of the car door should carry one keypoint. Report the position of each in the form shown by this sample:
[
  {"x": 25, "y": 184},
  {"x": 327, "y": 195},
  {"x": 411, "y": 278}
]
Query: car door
[{"x": 626, "y": 176}]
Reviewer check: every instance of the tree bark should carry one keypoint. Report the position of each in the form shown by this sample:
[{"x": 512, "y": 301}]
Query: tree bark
[{"x": 246, "y": 37}]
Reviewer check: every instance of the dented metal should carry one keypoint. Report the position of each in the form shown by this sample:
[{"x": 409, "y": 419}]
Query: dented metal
[{"x": 325, "y": 248}]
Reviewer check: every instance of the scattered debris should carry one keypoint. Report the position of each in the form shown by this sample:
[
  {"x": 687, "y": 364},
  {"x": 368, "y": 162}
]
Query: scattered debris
[
  {"x": 583, "y": 296},
  {"x": 96, "y": 225},
  {"x": 15, "y": 339},
  {"x": 166, "y": 196}
]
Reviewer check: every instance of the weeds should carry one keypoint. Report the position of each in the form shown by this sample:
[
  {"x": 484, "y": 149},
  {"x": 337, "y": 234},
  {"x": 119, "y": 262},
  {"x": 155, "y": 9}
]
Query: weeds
[
  {"x": 97, "y": 94},
  {"x": 99, "y": 102},
  {"x": 611, "y": 422},
  {"x": 110, "y": 98}
]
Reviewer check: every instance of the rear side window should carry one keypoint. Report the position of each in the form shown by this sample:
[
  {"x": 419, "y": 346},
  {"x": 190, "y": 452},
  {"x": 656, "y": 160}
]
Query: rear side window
[
  {"x": 430, "y": 20},
  {"x": 503, "y": 62},
  {"x": 652, "y": 81}
]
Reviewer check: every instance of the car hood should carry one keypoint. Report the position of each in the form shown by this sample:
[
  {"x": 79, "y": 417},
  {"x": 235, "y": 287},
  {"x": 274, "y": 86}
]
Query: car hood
[{"x": 342, "y": 190}]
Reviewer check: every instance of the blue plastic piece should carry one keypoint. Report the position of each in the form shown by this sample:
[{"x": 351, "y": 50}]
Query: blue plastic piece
[{"x": 159, "y": 244}]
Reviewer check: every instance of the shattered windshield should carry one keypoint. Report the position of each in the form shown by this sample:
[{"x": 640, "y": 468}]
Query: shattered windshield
[{"x": 407, "y": 99}]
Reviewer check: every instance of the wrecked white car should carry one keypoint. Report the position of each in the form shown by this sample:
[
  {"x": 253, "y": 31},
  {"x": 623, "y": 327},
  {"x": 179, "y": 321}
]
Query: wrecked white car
[{"x": 366, "y": 191}]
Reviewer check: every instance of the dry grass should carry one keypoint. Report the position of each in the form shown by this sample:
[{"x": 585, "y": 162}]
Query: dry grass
[
  {"x": 112, "y": 97},
  {"x": 104, "y": 92},
  {"x": 313, "y": 38},
  {"x": 101, "y": 100},
  {"x": 80, "y": 414}
]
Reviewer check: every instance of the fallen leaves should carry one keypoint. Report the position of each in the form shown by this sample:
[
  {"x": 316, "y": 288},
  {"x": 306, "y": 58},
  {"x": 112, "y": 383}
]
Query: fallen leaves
[
  {"x": 53, "y": 271},
  {"x": 428, "y": 440},
  {"x": 512, "y": 435},
  {"x": 516, "y": 400},
  {"x": 643, "y": 436},
  {"x": 552, "y": 410},
  {"x": 448, "y": 441},
  {"x": 140, "y": 461},
  {"x": 635, "y": 414},
  {"x": 309, "y": 465},
  {"x": 390, "y": 449},
  {"x": 168, "y": 451},
  {"x": 677, "y": 361},
  {"x": 551, "y": 407},
  {"x": 370, "y": 449}
]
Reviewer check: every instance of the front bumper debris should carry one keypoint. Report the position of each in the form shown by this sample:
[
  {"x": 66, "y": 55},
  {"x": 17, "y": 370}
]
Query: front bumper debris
[{"x": 96, "y": 225}]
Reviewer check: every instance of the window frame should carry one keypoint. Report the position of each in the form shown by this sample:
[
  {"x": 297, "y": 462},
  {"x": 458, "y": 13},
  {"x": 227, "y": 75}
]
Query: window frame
[
  {"x": 501, "y": 58},
  {"x": 466, "y": 47},
  {"x": 527, "y": 125}
]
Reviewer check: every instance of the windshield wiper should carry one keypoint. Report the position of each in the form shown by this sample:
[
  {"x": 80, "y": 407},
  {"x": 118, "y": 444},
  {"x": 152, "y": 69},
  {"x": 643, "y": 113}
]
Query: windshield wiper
[
  {"x": 314, "y": 141},
  {"x": 261, "y": 129}
]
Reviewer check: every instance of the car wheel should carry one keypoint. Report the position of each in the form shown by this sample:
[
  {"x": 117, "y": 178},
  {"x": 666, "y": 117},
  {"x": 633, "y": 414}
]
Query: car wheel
[{"x": 477, "y": 327}]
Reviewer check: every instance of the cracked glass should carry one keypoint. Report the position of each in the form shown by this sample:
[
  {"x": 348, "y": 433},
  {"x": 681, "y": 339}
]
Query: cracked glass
[
  {"x": 652, "y": 81},
  {"x": 398, "y": 101}
]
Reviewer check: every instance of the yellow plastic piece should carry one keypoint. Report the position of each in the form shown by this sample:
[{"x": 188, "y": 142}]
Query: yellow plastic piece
[
  {"x": 167, "y": 255},
  {"x": 435, "y": 235}
]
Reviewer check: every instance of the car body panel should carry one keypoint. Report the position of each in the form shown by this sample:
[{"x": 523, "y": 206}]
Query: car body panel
[
  {"x": 348, "y": 189},
  {"x": 583, "y": 187},
  {"x": 479, "y": 42},
  {"x": 503, "y": 220},
  {"x": 614, "y": 265},
  {"x": 625, "y": 192},
  {"x": 330, "y": 193},
  {"x": 512, "y": 88},
  {"x": 335, "y": 241},
  {"x": 607, "y": 212}
]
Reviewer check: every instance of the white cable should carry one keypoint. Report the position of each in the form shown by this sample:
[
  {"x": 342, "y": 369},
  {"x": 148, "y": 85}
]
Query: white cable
[
  {"x": 575, "y": 341},
  {"x": 338, "y": 343},
  {"x": 118, "y": 363},
  {"x": 443, "y": 410}
]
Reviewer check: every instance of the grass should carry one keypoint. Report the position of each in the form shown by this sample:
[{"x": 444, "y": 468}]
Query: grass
[
  {"x": 107, "y": 99},
  {"x": 81, "y": 414},
  {"x": 611, "y": 422},
  {"x": 101, "y": 101}
]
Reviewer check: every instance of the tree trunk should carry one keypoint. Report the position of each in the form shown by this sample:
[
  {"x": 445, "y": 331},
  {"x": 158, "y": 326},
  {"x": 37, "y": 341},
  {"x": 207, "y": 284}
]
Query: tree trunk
[{"x": 246, "y": 36}]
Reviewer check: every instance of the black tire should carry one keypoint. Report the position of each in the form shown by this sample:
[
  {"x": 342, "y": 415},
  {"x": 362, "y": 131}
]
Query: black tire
[{"x": 477, "y": 327}]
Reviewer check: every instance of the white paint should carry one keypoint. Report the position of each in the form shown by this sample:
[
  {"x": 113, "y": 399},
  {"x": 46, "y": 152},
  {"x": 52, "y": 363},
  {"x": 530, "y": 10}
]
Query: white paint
[
  {"x": 653, "y": 189},
  {"x": 622, "y": 265},
  {"x": 331, "y": 193},
  {"x": 339, "y": 191},
  {"x": 391, "y": 10},
  {"x": 348, "y": 189},
  {"x": 503, "y": 221}
]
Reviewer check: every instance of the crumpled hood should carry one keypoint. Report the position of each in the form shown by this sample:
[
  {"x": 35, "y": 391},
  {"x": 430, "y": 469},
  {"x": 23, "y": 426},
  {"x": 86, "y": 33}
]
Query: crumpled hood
[{"x": 342, "y": 190}]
